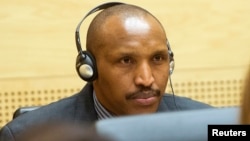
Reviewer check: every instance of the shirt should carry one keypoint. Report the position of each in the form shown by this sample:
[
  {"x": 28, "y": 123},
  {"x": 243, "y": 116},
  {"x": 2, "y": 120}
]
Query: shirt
[{"x": 102, "y": 113}]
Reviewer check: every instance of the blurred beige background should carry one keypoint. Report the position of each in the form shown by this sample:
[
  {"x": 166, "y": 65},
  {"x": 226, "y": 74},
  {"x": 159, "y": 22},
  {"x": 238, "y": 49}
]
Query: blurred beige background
[{"x": 210, "y": 40}]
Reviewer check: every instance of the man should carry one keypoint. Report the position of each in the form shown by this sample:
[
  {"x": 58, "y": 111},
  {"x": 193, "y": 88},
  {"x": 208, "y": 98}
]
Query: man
[{"x": 131, "y": 54}]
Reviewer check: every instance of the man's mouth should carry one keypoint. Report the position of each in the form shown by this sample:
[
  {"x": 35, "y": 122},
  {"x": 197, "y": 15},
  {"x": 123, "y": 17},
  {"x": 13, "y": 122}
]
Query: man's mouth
[{"x": 144, "y": 97}]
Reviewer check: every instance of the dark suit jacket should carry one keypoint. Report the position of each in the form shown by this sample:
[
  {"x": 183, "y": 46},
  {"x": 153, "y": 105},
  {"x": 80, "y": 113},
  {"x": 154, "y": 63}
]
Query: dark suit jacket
[{"x": 80, "y": 108}]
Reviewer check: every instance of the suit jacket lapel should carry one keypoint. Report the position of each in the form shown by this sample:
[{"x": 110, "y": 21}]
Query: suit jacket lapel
[{"x": 85, "y": 110}]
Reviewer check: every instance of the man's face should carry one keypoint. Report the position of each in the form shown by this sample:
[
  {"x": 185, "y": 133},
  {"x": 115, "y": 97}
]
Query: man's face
[{"x": 133, "y": 66}]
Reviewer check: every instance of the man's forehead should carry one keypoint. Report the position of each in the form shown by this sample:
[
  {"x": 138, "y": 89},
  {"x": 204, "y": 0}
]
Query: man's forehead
[{"x": 136, "y": 24}]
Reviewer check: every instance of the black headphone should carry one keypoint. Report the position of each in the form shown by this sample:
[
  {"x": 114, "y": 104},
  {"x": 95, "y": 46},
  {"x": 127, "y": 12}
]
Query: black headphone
[{"x": 85, "y": 62}]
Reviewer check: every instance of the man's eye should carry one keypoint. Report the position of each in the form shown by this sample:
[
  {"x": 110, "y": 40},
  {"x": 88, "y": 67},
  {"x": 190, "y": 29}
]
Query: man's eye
[
  {"x": 158, "y": 58},
  {"x": 126, "y": 60}
]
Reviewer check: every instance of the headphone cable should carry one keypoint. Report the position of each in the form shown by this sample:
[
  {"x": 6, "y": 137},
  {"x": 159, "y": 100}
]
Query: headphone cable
[{"x": 173, "y": 92}]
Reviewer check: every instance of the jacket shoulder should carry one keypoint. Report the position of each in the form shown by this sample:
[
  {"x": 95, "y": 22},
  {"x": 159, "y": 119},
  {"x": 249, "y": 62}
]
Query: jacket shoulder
[{"x": 76, "y": 107}]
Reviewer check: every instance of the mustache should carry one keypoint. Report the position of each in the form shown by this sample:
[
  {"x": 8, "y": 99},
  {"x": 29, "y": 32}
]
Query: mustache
[{"x": 144, "y": 93}]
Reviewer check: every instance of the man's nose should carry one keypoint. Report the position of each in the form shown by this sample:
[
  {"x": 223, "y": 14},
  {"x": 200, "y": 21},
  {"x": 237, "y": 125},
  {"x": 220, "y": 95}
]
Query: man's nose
[{"x": 144, "y": 75}]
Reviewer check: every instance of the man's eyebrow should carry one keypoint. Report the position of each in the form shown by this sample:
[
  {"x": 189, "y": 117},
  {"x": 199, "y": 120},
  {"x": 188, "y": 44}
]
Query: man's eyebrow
[
  {"x": 119, "y": 54},
  {"x": 125, "y": 53},
  {"x": 162, "y": 51}
]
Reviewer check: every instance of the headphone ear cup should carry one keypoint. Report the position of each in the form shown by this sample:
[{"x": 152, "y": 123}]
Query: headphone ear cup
[
  {"x": 171, "y": 66},
  {"x": 171, "y": 58},
  {"x": 86, "y": 66}
]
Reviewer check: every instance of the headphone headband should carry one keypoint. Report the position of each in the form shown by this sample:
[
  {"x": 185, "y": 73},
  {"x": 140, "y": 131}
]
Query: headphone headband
[{"x": 97, "y": 8}]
